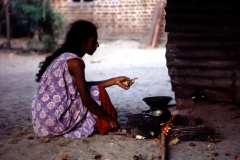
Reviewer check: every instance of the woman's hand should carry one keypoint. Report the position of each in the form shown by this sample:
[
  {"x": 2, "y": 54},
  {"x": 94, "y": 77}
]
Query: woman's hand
[
  {"x": 119, "y": 81},
  {"x": 113, "y": 123}
]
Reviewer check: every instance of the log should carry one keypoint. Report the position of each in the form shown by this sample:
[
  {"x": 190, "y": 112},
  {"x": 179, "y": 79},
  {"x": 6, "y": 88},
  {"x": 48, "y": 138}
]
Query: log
[
  {"x": 8, "y": 27},
  {"x": 153, "y": 25},
  {"x": 197, "y": 133},
  {"x": 158, "y": 23},
  {"x": 163, "y": 146},
  {"x": 154, "y": 31}
]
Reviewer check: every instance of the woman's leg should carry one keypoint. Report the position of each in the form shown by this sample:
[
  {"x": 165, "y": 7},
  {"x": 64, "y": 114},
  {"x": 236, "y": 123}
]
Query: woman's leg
[{"x": 106, "y": 104}]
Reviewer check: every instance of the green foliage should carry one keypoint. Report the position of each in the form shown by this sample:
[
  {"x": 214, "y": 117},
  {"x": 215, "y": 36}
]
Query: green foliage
[
  {"x": 30, "y": 9},
  {"x": 33, "y": 44},
  {"x": 43, "y": 18},
  {"x": 59, "y": 24},
  {"x": 48, "y": 43}
]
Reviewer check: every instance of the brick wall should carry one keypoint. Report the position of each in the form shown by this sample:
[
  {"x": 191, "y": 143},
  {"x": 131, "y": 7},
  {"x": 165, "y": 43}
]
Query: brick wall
[{"x": 128, "y": 19}]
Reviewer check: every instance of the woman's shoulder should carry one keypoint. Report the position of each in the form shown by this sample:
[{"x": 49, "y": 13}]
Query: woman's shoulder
[
  {"x": 68, "y": 55},
  {"x": 63, "y": 58}
]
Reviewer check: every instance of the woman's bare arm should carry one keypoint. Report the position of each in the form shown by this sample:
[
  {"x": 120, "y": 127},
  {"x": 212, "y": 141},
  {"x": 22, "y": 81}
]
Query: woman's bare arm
[
  {"x": 110, "y": 82},
  {"x": 76, "y": 68}
]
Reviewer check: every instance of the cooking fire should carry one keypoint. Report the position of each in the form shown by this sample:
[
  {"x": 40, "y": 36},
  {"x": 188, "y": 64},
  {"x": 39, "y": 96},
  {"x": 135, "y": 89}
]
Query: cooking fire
[{"x": 166, "y": 126}]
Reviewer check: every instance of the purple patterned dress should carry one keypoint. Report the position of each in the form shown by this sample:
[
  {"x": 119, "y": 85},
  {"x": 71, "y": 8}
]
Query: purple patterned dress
[{"x": 57, "y": 107}]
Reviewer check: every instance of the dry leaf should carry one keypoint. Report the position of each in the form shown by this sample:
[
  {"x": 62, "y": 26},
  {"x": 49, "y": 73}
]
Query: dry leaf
[
  {"x": 209, "y": 149},
  {"x": 192, "y": 144},
  {"x": 30, "y": 137},
  {"x": 173, "y": 142},
  {"x": 95, "y": 61},
  {"x": 97, "y": 156},
  {"x": 20, "y": 133},
  {"x": 10, "y": 55},
  {"x": 214, "y": 139},
  {"x": 157, "y": 140},
  {"x": 139, "y": 137},
  {"x": 66, "y": 157},
  {"x": 237, "y": 158},
  {"x": 214, "y": 154},
  {"x": 227, "y": 154}
]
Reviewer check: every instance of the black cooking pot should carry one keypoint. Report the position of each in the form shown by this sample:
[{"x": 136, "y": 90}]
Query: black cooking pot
[{"x": 158, "y": 107}]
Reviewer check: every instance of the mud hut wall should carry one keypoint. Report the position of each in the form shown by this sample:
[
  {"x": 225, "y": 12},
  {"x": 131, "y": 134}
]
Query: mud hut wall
[
  {"x": 203, "y": 48},
  {"x": 129, "y": 19}
]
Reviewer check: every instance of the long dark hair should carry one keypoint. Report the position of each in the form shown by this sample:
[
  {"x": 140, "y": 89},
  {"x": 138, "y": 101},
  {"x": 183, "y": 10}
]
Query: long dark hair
[{"x": 79, "y": 32}]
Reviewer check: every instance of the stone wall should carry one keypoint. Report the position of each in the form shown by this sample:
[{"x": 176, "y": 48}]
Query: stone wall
[{"x": 128, "y": 19}]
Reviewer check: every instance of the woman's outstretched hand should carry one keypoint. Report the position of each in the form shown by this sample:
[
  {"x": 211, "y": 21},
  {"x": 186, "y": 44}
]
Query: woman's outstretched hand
[{"x": 119, "y": 81}]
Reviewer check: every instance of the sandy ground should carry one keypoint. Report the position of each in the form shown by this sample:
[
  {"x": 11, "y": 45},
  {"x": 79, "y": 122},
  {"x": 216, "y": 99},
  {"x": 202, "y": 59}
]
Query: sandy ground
[{"x": 17, "y": 87}]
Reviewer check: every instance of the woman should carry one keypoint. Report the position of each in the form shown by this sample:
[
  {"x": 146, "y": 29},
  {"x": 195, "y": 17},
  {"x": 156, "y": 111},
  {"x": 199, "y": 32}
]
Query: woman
[{"x": 65, "y": 103}]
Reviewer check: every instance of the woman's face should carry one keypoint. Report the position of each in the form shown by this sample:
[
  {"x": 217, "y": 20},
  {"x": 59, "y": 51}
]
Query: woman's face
[{"x": 91, "y": 45}]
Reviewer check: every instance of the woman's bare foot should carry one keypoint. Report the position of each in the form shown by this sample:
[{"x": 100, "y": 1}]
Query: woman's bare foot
[{"x": 119, "y": 130}]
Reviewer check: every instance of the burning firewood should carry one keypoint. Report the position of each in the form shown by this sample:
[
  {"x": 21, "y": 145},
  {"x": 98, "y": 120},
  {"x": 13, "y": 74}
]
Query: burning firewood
[
  {"x": 165, "y": 131},
  {"x": 167, "y": 125},
  {"x": 191, "y": 131}
]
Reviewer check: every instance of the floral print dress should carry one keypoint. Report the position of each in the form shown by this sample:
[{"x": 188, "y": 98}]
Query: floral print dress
[{"x": 57, "y": 108}]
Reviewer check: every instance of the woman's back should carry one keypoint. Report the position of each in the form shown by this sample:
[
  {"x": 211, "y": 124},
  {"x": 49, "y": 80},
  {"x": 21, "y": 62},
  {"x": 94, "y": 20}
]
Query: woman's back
[{"x": 57, "y": 105}]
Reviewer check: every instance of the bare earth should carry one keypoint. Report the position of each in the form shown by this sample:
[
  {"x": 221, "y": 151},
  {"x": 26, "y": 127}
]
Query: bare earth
[{"x": 17, "y": 87}]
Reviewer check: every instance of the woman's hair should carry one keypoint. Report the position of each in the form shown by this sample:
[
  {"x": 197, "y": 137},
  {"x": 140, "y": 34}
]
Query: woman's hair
[{"x": 79, "y": 32}]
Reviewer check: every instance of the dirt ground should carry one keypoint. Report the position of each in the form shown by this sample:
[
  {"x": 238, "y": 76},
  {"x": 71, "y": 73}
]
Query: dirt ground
[{"x": 115, "y": 58}]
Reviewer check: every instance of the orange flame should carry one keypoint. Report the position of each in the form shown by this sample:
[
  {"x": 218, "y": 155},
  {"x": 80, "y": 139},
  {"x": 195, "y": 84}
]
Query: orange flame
[{"x": 166, "y": 126}]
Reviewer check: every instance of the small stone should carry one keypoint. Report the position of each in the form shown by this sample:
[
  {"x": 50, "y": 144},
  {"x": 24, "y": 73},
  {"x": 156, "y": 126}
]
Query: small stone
[{"x": 47, "y": 140}]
